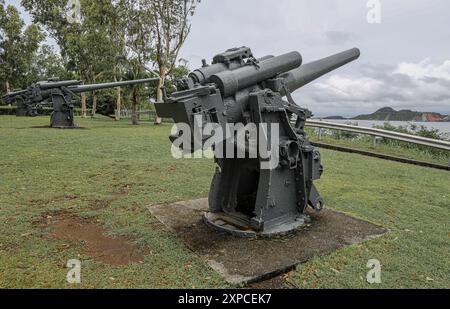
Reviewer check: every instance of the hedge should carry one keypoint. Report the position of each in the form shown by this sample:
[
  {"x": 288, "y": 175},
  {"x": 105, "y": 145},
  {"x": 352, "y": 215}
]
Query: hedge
[{"x": 45, "y": 111}]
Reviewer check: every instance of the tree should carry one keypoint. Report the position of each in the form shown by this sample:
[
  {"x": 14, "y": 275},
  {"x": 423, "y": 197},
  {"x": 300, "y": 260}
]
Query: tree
[
  {"x": 47, "y": 63},
  {"x": 86, "y": 42},
  {"x": 172, "y": 27},
  {"x": 138, "y": 25},
  {"x": 91, "y": 45},
  {"x": 114, "y": 37},
  {"x": 155, "y": 32},
  {"x": 18, "y": 48}
]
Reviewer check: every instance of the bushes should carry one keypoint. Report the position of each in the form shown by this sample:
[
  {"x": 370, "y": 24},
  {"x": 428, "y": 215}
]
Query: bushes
[
  {"x": 11, "y": 111},
  {"x": 418, "y": 130},
  {"x": 7, "y": 110},
  {"x": 46, "y": 111},
  {"x": 414, "y": 129}
]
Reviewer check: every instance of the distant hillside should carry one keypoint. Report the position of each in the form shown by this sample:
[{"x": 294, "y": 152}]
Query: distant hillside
[{"x": 390, "y": 114}]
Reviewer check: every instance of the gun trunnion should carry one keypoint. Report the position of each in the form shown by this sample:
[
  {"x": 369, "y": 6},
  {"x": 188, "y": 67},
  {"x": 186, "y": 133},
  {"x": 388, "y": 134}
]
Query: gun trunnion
[{"x": 246, "y": 199}]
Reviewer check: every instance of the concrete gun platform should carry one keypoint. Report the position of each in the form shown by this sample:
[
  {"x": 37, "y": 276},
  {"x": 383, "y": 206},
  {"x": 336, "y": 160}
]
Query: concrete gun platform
[{"x": 243, "y": 261}]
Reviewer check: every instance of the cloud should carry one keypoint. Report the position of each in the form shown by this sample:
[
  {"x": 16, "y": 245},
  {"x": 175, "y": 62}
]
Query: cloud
[
  {"x": 387, "y": 74},
  {"x": 339, "y": 37},
  {"x": 422, "y": 86},
  {"x": 425, "y": 69}
]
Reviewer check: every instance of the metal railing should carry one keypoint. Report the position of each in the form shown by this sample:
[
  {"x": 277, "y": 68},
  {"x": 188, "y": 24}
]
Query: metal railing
[
  {"x": 127, "y": 113},
  {"x": 434, "y": 143}
]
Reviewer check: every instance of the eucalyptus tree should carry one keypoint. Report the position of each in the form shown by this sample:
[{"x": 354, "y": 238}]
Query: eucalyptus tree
[
  {"x": 138, "y": 25},
  {"x": 171, "y": 28},
  {"x": 18, "y": 47},
  {"x": 46, "y": 63}
]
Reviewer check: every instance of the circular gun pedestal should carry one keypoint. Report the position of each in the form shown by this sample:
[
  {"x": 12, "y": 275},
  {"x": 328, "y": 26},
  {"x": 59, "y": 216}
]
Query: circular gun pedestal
[{"x": 240, "y": 227}]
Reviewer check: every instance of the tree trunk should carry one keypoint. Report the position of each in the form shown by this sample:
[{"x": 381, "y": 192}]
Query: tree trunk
[
  {"x": 119, "y": 103},
  {"x": 134, "y": 107},
  {"x": 83, "y": 105},
  {"x": 94, "y": 104},
  {"x": 159, "y": 93},
  {"x": 8, "y": 87}
]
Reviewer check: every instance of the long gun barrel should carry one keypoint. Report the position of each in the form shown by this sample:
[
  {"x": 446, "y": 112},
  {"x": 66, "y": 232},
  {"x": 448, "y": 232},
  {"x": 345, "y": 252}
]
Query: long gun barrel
[
  {"x": 95, "y": 87},
  {"x": 309, "y": 72},
  {"x": 13, "y": 93},
  {"x": 10, "y": 96}
]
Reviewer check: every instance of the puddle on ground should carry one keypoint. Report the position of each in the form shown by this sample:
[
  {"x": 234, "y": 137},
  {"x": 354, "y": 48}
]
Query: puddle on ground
[{"x": 93, "y": 238}]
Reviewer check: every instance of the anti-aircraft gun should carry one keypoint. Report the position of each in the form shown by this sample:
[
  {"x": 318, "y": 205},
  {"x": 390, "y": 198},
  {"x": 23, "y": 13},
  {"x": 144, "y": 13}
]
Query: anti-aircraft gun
[
  {"x": 23, "y": 108},
  {"x": 249, "y": 194},
  {"x": 61, "y": 96}
]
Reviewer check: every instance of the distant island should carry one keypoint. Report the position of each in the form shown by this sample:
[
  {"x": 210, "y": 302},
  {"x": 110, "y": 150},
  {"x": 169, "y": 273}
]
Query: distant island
[{"x": 390, "y": 114}]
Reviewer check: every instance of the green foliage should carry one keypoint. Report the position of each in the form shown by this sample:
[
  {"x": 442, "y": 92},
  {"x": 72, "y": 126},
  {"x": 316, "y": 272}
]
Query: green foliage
[
  {"x": 171, "y": 29},
  {"x": 18, "y": 48},
  {"x": 118, "y": 40},
  {"x": 47, "y": 63},
  {"x": 414, "y": 130},
  {"x": 428, "y": 133},
  {"x": 43, "y": 111},
  {"x": 106, "y": 101},
  {"x": 7, "y": 110},
  {"x": 389, "y": 127},
  {"x": 345, "y": 135},
  {"x": 419, "y": 130},
  {"x": 91, "y": 46}
]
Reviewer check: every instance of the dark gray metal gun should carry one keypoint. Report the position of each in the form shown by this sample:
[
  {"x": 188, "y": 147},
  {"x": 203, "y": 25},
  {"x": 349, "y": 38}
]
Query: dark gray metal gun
[
  {"x": 246, "y": 199},
  {"x": 23, "y": 108},
  {"x": 61, "y": 95}
]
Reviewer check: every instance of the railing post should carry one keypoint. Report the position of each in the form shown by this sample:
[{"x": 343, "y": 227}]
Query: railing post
[
  {"x": 376, "y": 141},
  {"x": 319, "y": 134}
]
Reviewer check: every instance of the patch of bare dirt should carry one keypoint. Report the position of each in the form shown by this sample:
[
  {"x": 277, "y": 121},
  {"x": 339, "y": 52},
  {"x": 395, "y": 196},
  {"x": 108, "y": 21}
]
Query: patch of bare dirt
[{"x": 116, "y": 251}]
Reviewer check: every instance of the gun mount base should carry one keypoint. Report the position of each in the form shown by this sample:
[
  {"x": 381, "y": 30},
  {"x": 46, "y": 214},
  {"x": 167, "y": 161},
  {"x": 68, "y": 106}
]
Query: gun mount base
[
  {"x": 26, "y": 111},
  {"x": 62, "y": 116},
  {"x": 241, "y": 227},
  {"x": 62, "y": 120}
]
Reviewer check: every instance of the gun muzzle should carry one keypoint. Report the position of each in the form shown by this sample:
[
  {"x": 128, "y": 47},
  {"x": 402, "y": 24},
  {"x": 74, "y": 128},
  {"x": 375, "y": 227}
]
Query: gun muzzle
[
  {"x": 309, "y": 72},
  {"x": 10, "y": 96}
]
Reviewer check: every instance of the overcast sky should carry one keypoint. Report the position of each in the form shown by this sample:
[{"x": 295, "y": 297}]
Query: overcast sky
[{"x": 405, "y": 60}]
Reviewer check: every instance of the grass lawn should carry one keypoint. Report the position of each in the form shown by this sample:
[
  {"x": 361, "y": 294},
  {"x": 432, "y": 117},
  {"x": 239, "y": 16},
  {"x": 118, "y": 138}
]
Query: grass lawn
[{"x": 43, "y": 171}]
